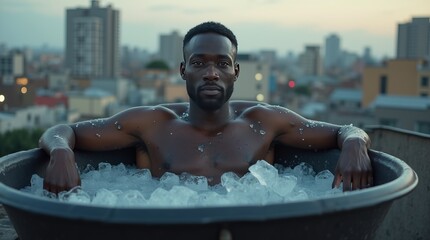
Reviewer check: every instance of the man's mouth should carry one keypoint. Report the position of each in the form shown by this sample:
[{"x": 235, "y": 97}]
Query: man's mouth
[{"x": 210, "y": 90}]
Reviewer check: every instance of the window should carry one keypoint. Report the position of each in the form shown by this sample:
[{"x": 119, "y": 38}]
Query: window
[
  {"x": 422, "y": 127},
  {"x": 388, "y": 122},
  {"x": 383, "y": 84},
  {"x": 37, "y": 120},
  {"x": 358, "y": 105},
  {"x": 424, "y": 81},
  {"x": 258, "y": 86}
]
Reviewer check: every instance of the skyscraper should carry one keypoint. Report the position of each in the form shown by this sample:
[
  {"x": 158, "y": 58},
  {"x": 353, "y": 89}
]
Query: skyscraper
[
  {"x": 310, "y": 61},
  {"x": 171, "y": 49},
  {"x": 413, "y": 38},
  {"x": 92, "y": 41},
  {"x": 332, "y": 51}
]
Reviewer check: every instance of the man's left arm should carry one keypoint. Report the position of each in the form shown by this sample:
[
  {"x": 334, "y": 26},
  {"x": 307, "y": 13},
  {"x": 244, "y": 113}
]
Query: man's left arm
[{"x": 354, "y": 168}]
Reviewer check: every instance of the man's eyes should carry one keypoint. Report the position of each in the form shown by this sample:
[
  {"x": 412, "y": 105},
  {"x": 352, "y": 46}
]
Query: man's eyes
[
  {"x": 201, "y": 63},
  {"x": 197, "y": 63},
  {"x": 224, "y": 64}
]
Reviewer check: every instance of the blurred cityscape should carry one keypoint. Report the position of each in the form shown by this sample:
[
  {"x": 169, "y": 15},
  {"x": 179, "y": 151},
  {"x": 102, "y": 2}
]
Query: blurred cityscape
[{"x": 95, "y": 76}]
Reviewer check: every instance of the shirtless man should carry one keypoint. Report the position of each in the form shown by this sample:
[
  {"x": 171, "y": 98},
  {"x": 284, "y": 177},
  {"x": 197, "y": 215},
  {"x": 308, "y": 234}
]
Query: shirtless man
[{"x": 217, "y": 136}]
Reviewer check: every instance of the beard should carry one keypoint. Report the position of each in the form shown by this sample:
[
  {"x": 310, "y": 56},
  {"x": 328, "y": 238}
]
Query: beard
[{"x": 210, "y": 103}]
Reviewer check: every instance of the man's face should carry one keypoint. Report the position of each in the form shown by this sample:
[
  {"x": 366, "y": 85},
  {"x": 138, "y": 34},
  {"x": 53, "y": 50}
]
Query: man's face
[{"x": 209, "y": 70}]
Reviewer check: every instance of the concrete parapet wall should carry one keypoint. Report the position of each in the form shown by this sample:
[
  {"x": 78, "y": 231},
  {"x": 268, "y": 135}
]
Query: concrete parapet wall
[{"x": 409, "y": 216}]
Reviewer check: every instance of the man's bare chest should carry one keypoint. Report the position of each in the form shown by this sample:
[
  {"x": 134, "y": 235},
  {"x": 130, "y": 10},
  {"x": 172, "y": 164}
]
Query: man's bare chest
[{"x": 181, "y": 148}]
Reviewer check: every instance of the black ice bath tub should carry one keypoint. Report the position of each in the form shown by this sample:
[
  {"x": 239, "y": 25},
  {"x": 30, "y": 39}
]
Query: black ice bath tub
[{"x": 355, "y": 215}]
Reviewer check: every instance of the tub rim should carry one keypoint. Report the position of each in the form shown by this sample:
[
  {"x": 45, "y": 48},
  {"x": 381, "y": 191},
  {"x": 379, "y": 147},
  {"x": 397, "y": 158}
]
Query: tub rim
[{"x": 387, "y": 192}]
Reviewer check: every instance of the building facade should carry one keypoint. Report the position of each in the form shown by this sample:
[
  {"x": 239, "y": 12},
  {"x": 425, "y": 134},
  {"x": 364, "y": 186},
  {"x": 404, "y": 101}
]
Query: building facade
[
  {"x": 31, "y": 117},
  {"x": 91, "y": 103},
  {"x": 413, "y": 38},
  {"x": 92, "y": 41},
  {"x": 12, "y": 64},
  {"x": 171, "y": 49},
  {"x": 253, "y": 81},
  {"x": 310, "y": 61},
  {"x": 332, "y": 51},
  {"x": 406, "y": 77},
  {"x": 406, "y": 112}
]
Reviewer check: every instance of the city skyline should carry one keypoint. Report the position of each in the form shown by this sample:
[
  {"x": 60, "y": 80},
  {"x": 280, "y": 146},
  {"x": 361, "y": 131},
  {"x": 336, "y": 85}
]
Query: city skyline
[{"x": 258, "y": 24}]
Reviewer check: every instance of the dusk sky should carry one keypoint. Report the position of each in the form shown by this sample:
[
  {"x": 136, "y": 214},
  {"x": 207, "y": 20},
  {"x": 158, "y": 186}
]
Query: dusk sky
[{"x": 281, "y": 25}]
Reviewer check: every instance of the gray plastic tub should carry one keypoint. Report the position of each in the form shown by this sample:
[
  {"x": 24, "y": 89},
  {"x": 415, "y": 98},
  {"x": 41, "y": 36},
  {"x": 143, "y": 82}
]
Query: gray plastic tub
[{"x": 355, "y": 215}]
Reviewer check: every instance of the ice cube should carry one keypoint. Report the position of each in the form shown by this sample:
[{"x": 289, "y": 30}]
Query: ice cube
[
  {"x": 284, "y": 185},
  {"x": 324, "y": 179},
  {"x": 105, "y": 197},
  {"x": 264, "y": 172},
  {"x": 168, "y": 180},
  {"x": 196, "y": 183},
  {"x": 132, "y": 198},
  {"x": 75, "y": 195},
  {"x": 230, "y": 181}
]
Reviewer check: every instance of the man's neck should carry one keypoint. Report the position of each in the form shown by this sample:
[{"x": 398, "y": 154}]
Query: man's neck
[{"x": 209, "y": 120}]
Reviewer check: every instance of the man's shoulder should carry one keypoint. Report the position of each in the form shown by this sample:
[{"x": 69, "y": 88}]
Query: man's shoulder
[
  {"x": 178, "y": 108},
  {"x": 241, "y": 106}
]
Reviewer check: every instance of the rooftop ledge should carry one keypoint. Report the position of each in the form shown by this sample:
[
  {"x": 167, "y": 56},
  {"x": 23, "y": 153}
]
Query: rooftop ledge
[{"x": 408, "y": 216}]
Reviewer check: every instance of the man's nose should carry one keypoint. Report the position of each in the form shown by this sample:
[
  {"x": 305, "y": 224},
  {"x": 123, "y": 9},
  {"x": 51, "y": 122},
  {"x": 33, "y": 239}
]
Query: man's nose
[{"x": 211, "y": 73}]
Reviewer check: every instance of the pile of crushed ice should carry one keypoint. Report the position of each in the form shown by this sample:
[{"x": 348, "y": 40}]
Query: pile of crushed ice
[{"x": 127, "y": 186}]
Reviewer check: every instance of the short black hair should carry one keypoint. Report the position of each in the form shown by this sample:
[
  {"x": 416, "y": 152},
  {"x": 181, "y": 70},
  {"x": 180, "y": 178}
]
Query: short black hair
[{"x": 210, "y": 27}]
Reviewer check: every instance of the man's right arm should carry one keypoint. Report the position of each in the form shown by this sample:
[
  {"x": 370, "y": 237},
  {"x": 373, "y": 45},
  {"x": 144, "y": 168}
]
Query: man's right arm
[
  {"x": 119, "y": 131},
  {"x": 61, "y": 173}
]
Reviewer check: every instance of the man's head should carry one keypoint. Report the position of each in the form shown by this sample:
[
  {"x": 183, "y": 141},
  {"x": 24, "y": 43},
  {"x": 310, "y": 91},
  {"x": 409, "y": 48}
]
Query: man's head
[
  {"x": 209, "y": 67},
  {"x": 209, "y": 27}
]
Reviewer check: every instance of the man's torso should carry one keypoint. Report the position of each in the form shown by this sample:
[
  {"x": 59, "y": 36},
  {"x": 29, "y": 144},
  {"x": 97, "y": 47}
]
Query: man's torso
[{"x": 177, "y": 146}]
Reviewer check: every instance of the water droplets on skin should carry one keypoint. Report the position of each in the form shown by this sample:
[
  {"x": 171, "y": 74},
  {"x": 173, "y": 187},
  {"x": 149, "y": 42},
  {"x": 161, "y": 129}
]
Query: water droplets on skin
[
  {"x": 118, "y": 126},
  {"x": 97, "y": 122},
  {"x": 171, "y": 134},
  {"x": 301, "y": 130},
  {"x": 98, "y": 135},
  {"x": 185, "y": 116},
  {"x": 58, "y": 136},
  {"x": 201, "y": 147},
  {"x": 257, "y": 128},
  {"x": 218, "y": 134}
]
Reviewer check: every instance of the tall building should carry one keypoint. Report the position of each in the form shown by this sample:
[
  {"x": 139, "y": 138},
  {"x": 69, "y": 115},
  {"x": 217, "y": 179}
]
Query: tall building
[
  {"x": 253, "y": 81},
  {"x": 12, "y": 64},
  {"x": 413, "y": 38},
  {"x": 310, "y": 61},
  {"x": 171, "y": 49},
  {"x": 332, "y": 51},
  {"x": 367, "y": 56},
  {"x": 92, "y": 41}
]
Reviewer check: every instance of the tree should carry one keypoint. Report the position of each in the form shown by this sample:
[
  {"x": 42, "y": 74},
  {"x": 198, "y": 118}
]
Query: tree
[
  {"x": 19, "y": 140},
  {"x": 157, "y": 64}
]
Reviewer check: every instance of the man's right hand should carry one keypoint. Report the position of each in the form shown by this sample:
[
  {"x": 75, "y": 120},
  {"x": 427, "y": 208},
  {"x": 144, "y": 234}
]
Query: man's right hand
[{"x": 61, "y": 173}]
